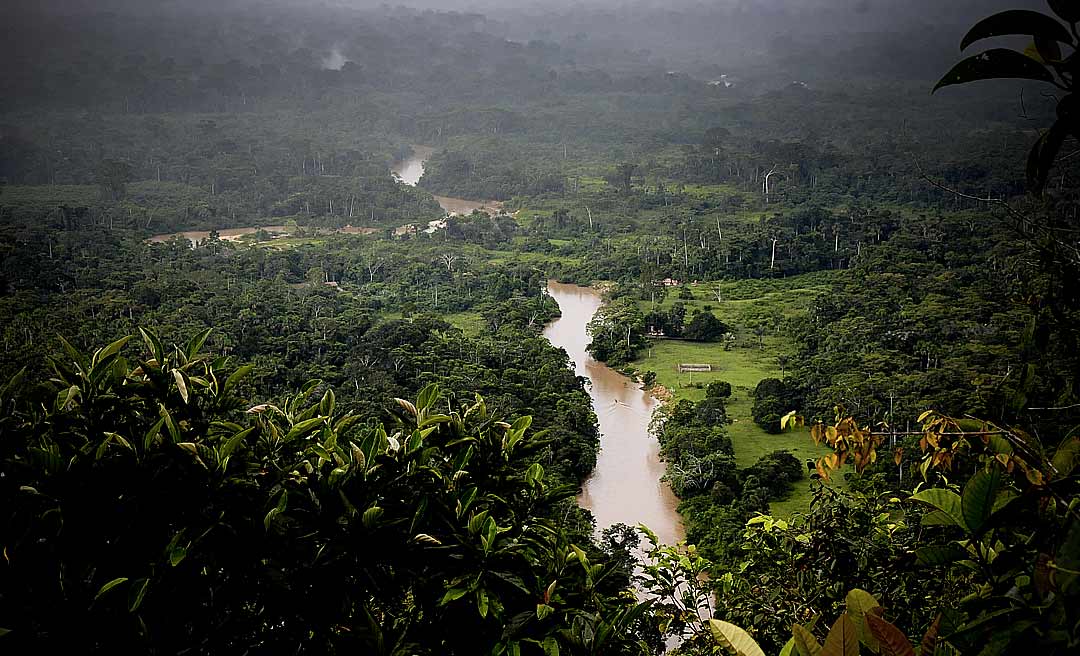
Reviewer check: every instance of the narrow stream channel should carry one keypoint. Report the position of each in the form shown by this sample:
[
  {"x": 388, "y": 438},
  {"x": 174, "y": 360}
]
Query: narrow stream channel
[{"x": 625, "y": 487}]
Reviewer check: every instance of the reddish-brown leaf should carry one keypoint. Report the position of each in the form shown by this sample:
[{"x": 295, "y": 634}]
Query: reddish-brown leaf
[
  {"x": 892, "y": 640},
  {"x": 929, "y": 641}
]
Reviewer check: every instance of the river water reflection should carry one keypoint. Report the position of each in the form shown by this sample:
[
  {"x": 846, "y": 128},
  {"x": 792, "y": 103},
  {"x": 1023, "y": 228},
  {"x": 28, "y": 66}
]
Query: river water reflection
[{"x": 625, "y": 487}]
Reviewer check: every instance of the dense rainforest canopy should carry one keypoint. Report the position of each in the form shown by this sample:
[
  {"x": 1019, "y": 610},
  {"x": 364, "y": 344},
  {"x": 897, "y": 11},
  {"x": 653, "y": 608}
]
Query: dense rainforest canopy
[{"x": 260, "y": 394}]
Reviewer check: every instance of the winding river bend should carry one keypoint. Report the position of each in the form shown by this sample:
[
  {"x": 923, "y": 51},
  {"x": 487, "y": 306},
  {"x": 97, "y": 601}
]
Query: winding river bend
[
  {"x": 625, "y": 487},
  {"x": 411, "y": 169}
]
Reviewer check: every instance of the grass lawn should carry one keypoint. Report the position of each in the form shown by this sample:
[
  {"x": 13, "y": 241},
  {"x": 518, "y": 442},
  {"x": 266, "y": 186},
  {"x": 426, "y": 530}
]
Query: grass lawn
[
  {"x": 743, "y": 366},
  {"x": 49, "y": 196},
  {"x": 470, "y": 323}
]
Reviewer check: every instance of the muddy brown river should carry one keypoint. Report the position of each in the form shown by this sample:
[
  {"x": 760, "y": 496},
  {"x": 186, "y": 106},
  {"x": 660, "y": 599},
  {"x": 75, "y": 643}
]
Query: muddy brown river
[
  {"x": 411, "y": 169},
  {"x": 625, "y": 487}
]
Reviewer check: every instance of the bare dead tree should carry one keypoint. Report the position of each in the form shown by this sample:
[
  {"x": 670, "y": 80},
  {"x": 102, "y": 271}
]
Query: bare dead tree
[
  {"x": 373, "y": 268},
  {"x": 448, "y": 260}
]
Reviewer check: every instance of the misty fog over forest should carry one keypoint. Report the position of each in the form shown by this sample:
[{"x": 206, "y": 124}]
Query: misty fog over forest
[{"x": 460, "y": 327}]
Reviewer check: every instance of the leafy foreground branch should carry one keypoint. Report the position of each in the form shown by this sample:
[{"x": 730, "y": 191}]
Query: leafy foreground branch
[
  {"x": 152, "y": 506},
  {"x": 151, "y": 509},
  {"x": 987, "y": 548}
]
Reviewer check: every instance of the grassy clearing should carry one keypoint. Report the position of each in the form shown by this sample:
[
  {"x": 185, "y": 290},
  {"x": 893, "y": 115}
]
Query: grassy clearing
[
  {"x": 746, "y": 304},
  {"x": 49, "y": 196},
  {"x": 592, "y": 184},
  {"x": 470, "y": 323},
  {"x": 750, "y": 360}
]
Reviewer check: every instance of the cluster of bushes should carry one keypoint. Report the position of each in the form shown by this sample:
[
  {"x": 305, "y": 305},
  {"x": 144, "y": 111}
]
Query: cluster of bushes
[
  {"x": 773, "y": 398},
  {"x": 702, "y": 326},
  {"x": 701, "y": 459}
]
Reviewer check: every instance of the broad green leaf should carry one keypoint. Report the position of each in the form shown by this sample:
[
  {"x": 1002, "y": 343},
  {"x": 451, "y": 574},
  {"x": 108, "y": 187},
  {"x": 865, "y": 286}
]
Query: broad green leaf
[
  {"x": 109, "y": 586},
  {"x": 734, "y": 640},
  {"x": 326, "y": 405},
  {"x": 789, "y": 648},
  {"x": 12, "y": 383},
  {"x": 64, "y": 398},
  {"x": 999, "y": 444},
  {"x": 433, "y": 419},
  {"x": 994, "y": 64},
  {"x": 121, "y": 440},
  {"x": 521, "y": 423},
  {"x": 805, "y": 642},
  {"x": 235, "y": 441},
  {"x": 303, "y": 428},
  {"x": 543, "y": 610},
  {"x": 843, "y": 639},
  {"x": 1017, "y": 21},
  {"x": 534, "y": 474},
  {"x": 372, "y": 516},
  {"x": 551, "y": 646},
  {"x": 453, "y": 594},
  {"x": 464, "y": 501},
  {"x": 345, "y": 423},
  {"x": 482, "y": 602},
  {"x": 195, "y": 344},
  {"x": 1067, "y": 457},
  {"x": 427, "y": 396},
  {"x": 153, "y": 344},
  {"x": 859, "y": 603},
  {"x": 937, "y": 518},
  {"x": 938, "y": 555},
  {"x": 77, "y": 358},
  {"x": 111, "y": 349},
  {"x": 414, "y": 441},
  {"x": 946, "y": 501},
  {"x": 152, "y": 434},
  {"x": 892, "y": 640},
  {"x": 979, "y": 495},
  {"x": 424, "y": 538},
  {"x": 235, "y": 377},
  {"x": 277, "y": 510},
  {"x": 137, "y": 593},
  {"x": 102, "y": 368},
  {"x": 359, "y": 460},
  {"x": 476, "y": 522},
  {"x": 178, "y": 376},
  {"x": 177, "y": 555}
]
